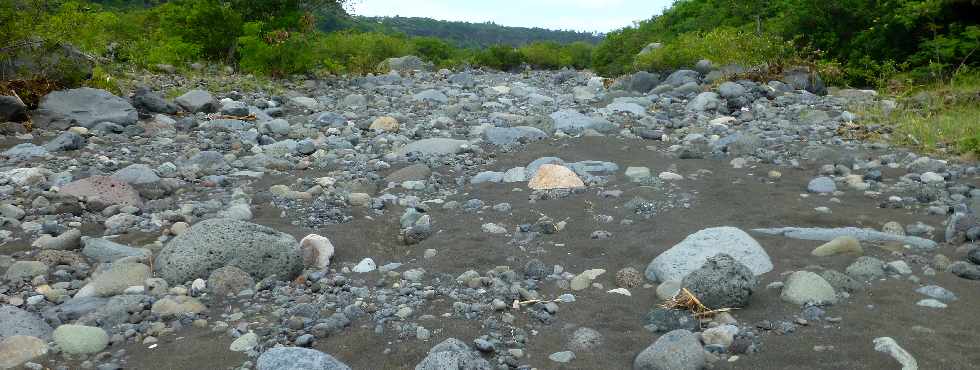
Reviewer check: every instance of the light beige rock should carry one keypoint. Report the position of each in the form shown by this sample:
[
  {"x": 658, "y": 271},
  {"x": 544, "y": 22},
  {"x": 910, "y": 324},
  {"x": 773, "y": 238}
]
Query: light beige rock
[
  {"x": 552, "y": 176},
  {"x": 18, "y": 349},
  {"x": 840, "y": 245},
  {"x": 316, "y": 251},
  {"x": 385, "y": 123},
  {"x": 584, "y": 280},
  {"x": 177, "y": 305},
  {"x": 893, "y": 228}
]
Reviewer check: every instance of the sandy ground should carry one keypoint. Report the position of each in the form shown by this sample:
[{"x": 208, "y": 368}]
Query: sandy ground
[{"x": 727, "y": 196}]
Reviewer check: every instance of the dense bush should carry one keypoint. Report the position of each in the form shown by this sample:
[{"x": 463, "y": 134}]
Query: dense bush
[
  {"x": 868, "y": 39},
  {"x": 500, "y": 57},
  {"x": 722, "y": 46}
]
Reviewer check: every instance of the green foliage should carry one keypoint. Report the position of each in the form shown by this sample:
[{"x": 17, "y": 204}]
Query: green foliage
[
  {"x": 435, "y": 50},
  {"x": 722, "y": 46},
  {"x": 868, "y": 39},
  {"x": 500, "y": 57},
  {"x": 275, "y": 53},
  {"x": 470, "y": 35},
  {"x": 358, "y": 52},
  {"x": 210, "y": 24}
]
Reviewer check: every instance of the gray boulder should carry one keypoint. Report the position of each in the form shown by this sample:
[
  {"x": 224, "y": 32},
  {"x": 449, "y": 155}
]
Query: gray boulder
[
  {"x": 801, "y": 78},
  {"x": 643, "y": 81},
  {"x": 722, "y": 282},
  {"x": 197, "y": 101},
  {"x": 573, "y": 122},
  {"x": 211, "y": 244},
  {"x": 12, "y": 109},
  {"x": 676, "y": 350},
  {"x": 206, "y": 163},
  {"x": 83, "y": 107},
  {"x": 431, "y": 95},
  {"x": 25, "y": 152},
  {"x": 15, "y": 321},
  {"x": 147, "y": 101},
  {"x": 681, "y": 77},
  {"x": 136, "y": 174},
  {"x": 432, "y": 146},
  {"x": 453, "y": 353},
  {"x": 513, "y": 135},
  {"x": 691, "y": 253},
  {"x": 328, "y": 119},
  {"x": 866, "y": 268},
  {"x": 731, "y": 90},
  {"x": 706, "y": 101},
  {"x": 104, "y": 250},
  {"x": 296, "y": 358},
  {"x": 67, "y": 140}
]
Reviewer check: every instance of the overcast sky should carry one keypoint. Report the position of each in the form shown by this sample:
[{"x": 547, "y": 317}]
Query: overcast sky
[{"x": 579, "y": 15}]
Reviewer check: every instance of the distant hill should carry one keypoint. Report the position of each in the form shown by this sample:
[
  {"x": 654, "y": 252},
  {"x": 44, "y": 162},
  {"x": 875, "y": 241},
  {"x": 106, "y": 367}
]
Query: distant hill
[{"x": 471, "y": 35}]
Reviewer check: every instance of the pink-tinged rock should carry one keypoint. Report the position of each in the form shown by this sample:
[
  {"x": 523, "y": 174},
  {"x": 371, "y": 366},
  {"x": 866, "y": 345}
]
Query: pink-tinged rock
[
  {"x": 316, "y": 251},
  {"x": 553, "y": 176},
  {"x": 105, "y": 190}
]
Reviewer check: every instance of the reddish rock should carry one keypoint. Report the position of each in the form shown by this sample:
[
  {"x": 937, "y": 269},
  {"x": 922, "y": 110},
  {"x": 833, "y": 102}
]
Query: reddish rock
[{"x": 104, "y": 190}]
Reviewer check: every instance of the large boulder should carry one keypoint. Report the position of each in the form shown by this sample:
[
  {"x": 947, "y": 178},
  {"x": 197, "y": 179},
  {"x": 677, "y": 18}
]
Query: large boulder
[
  {"x": 80, "y": 339},
  {"x": 676, "y": 350},
  {"x": 19, "y": 349},
  {"x": 105, "y": 190},
  {"x": 691, "y": 253},
  {"x": 432, "y": 146},
  {"x": 804, "y": 287},
  {"x": 211, "y": 244},
  {"x": 83, "y": 107},
  {"x": 573, "y": 122},
  {"x": 15, "y": 321},
  {"x": 801, "y": 78},
  {"x": 32, "y": 59},
  {"x": 512, "y": 135},
  {"x": 722, "y": 282},
  {"x": 453, "y": 353},
  {"x": 296, "y": 358},
  {"x": 12, "y": 109},
  {"x": 150, "y": 102},
  {"x": 196, "y": 101}
]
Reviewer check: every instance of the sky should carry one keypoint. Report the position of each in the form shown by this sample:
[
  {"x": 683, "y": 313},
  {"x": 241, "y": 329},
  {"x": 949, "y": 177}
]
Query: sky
[{"x": 578, "y": 15}]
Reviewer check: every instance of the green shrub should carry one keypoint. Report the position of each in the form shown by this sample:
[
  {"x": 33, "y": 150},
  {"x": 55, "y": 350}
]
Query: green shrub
[
  {"x": 722, "y": 46},
  {"x": 434, "y": 50},
  {"x": 276, "y": 53},
  {"x": 544, "y": 55},
  {"x": 578, "y": 55},
  {"x": 500, "y": 57},
  {"x": 210, "y": 24},
  {"x": 359, "y": 53}
]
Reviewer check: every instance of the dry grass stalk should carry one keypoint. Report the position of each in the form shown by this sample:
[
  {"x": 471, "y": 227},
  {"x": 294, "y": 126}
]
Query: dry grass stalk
[{"x": 685, "y": 300}]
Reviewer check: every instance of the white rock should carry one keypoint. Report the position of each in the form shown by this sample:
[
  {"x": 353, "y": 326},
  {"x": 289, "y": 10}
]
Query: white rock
[
  {"x": 931, "y": 303},
  {"x": 316, "y": 251},
  {"x": 670, "y": 176},
  {"x": 691, "y": 253},
  {"x": 366, "y": 265},
  {"x": 889, "y": 346}
]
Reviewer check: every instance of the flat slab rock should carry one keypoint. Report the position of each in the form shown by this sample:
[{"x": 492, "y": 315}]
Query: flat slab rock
[
  {"x": 864, "y": 235},
  {"x": 104, "y": 189}
]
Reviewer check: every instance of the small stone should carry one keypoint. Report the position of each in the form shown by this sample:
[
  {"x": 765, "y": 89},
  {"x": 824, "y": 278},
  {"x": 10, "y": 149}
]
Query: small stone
[
  {"x": 562, "y": 357},
  {"x": 931, "y": 303},
  {"x": 245, "y": 343}
]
